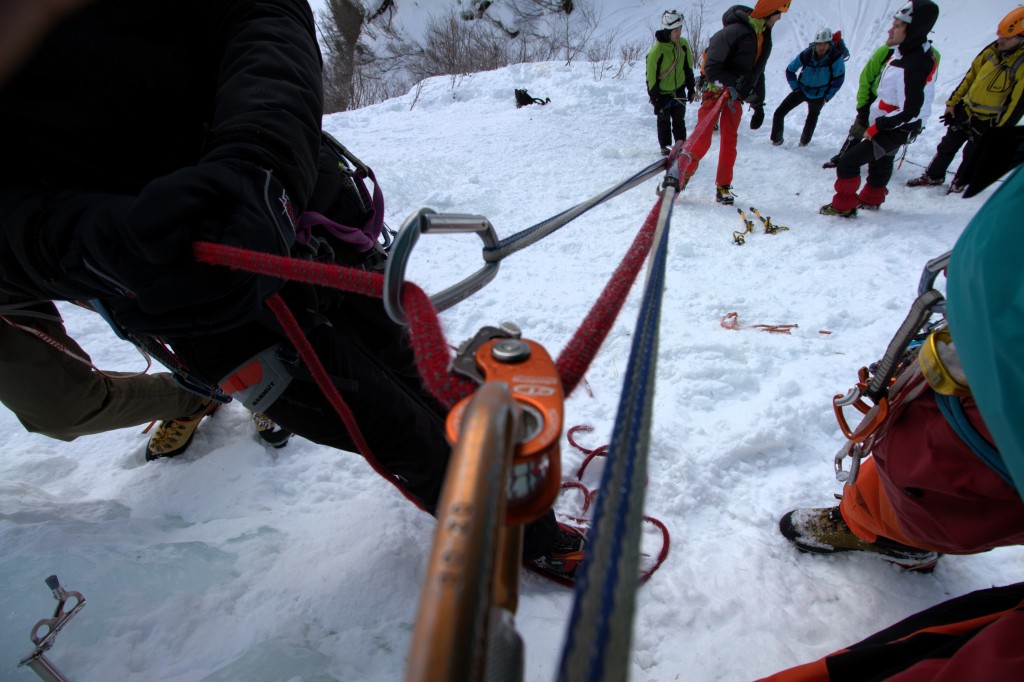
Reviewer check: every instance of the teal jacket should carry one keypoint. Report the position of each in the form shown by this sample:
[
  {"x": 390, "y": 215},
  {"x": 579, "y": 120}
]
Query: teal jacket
[
  {"x": 669, "y": 65},
  {"x": 985, "y": 309}
]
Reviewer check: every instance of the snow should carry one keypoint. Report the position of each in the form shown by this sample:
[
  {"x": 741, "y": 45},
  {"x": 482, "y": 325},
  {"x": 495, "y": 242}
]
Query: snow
[{"x": 236, "y": 562}]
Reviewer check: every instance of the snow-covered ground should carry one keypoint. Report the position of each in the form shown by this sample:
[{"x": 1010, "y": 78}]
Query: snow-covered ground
[{"x": 235, "y": 562}]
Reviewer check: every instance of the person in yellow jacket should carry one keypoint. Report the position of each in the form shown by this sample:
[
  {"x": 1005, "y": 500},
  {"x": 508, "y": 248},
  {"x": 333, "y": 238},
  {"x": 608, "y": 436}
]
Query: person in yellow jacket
[
  {"x": 990, "y": 95},
  {"x": 670, "y": 83}
]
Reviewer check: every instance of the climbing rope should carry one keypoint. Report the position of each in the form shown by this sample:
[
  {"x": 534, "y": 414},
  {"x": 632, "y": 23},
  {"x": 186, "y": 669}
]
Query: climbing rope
[{"x": 590, "y": 495}]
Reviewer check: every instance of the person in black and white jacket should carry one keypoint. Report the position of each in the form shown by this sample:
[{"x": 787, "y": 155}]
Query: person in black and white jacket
[{"x": 905, "y": 95}]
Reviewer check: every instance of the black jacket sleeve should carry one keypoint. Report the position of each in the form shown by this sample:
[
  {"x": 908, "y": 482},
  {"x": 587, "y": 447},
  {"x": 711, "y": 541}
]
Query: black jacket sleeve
[
  {"x": 257, "y": 169},
  {"x": 716, "y": 60}
]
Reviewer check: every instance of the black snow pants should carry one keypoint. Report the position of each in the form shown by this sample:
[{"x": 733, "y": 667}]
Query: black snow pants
[
  {"x": 792, "y": 101},
  {"x": 671, "y": 121},
  {"x": 946, "y": 151}
]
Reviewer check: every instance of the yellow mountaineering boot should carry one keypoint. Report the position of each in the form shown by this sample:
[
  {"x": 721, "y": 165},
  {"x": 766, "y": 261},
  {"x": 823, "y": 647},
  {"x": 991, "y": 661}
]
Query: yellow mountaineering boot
[{"x": 173, "y": 436}]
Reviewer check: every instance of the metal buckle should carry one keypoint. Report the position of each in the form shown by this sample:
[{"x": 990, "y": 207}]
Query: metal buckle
[{"x": 427, "y": 220}]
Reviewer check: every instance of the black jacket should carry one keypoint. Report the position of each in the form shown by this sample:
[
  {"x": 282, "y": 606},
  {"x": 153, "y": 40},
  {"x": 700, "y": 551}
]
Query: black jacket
[
  {"x": 139, "y": 127},
  {"x": 731, "y": 58}
]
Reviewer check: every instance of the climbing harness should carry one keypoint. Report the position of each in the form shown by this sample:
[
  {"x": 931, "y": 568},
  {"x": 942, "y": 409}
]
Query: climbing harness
[
  {"x": 875, "y": 383},
  {"x": 60, "y": 347},
  {"x": 37, "y": 660}
]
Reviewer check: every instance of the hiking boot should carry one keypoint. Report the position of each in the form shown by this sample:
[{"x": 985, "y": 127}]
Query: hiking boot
[
  {"x": 269, "y": 432},
  {"x": 777, "y": 143},
  {"x": 956, "y": 187},
  {"x": 561, "y": 562},
  {"x": 804, "y": 143},
  {"x": 924, "y": 181},
  {"x": 174, "y": 436},
  {"x": 724, "y": 195},
  {"x": 828, "y": 210},
  {"x": 870, "y": 207},
  {"x": 824, "y": 531}
]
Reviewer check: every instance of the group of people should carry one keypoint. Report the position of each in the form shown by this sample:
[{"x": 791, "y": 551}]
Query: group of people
[
  {"x": 894, "y": 98},
  {"x": 218, "y": 139},
  {"x": 944, "y": 469}
]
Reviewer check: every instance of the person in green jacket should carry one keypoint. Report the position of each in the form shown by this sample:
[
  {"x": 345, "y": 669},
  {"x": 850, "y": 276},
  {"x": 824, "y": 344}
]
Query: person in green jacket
[
  {"x": 867, "y": 91},
  {"x": 670, "y": 83}
]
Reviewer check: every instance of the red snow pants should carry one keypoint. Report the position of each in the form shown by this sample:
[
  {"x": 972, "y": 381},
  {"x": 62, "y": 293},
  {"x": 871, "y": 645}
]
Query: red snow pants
[{"x": 728, "y": 125}]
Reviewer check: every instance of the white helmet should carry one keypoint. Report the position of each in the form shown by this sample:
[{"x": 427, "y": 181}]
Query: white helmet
[
  {"x": 671, "y": 20},
  {"x": 824, "y": 35},
  {"x": 905, "y": 13}
]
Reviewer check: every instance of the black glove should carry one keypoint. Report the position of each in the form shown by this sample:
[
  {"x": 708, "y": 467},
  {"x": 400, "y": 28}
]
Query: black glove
[
  {"x": 144, "y": 245},
  {"x": 691, "y": 94},
  {"x": 947, "y": 119},
  {"x": 758, "y": 118},
  {"x": 864, "y": 115},
  {"x": 654, "y": 97}
]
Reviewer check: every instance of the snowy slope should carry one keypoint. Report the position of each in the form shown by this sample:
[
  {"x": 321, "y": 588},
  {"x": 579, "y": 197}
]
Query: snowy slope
[{"x": 235, "y": 562}]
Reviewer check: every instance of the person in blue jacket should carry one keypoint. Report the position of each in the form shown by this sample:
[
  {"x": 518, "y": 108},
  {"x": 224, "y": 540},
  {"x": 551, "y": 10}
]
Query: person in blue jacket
[{"x": 815, "y": 76}]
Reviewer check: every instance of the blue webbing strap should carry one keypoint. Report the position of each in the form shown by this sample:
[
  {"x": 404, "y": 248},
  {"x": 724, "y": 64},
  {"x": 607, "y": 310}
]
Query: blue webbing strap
[
  {"x": 953, "y": 411},
  {"x": 601, "y": 625}
]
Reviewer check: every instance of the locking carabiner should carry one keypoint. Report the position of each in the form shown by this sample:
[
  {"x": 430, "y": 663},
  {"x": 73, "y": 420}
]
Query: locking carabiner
[{"x": 427, "y": 220}]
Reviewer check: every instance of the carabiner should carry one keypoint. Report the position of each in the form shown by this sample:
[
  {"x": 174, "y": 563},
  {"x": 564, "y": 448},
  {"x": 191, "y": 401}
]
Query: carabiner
[
  {"x": 928, "y": 275},
  {"x": 855, "y": 451},
  {"x": 427, "y": 220},
  {"x": 874, "y": 416}
]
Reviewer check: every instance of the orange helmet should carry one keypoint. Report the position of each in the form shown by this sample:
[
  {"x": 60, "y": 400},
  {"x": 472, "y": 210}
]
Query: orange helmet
[
  {"x": 1012, "y": 24},
  {"x": 765, "y": 8}
]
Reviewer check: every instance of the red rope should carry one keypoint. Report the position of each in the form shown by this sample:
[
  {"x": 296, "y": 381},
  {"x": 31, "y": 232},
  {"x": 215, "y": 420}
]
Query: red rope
[
  {"x": 590, "y": 495},
  {"x": 426, "y": 337},
  {"x": 576, "y": 357},
  {"x": 316, "y": 368},
  {"x": 60, "y": 347}
]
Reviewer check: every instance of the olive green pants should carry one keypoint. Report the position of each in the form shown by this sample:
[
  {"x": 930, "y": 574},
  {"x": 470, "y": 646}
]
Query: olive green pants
[{"x": 61, "y": 397}]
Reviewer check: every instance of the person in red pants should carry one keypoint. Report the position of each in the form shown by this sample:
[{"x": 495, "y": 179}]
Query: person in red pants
[
  {"x": 904, "y": 100},
  {"x": 733, "y": 67}
]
